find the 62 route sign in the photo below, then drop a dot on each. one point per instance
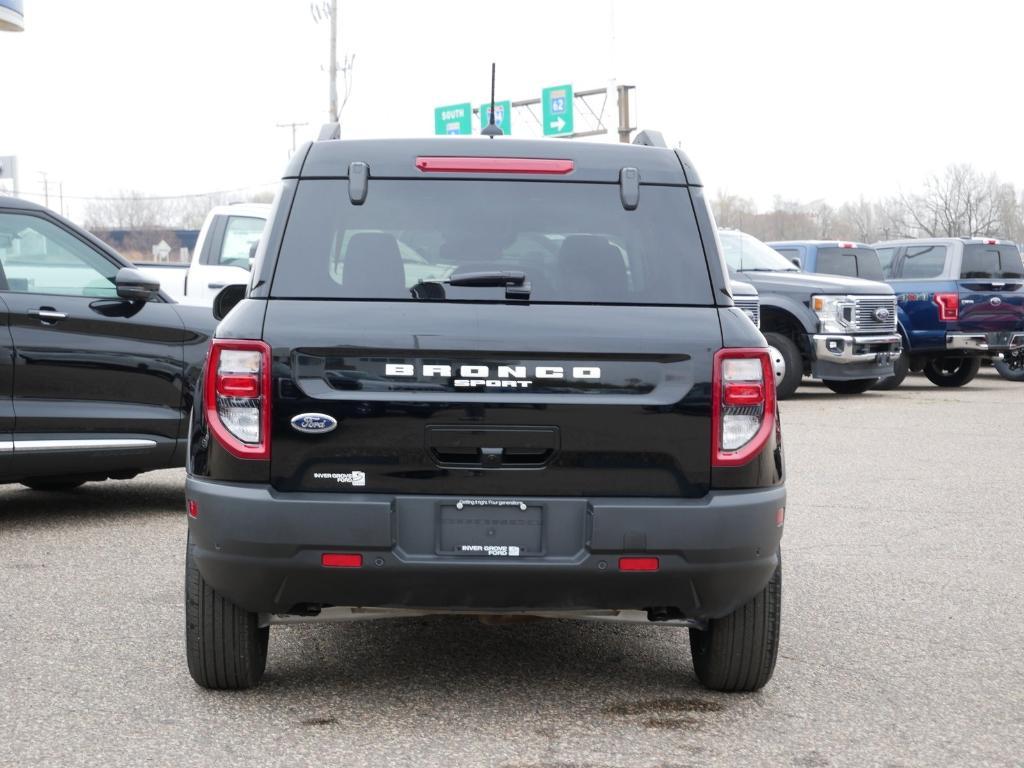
(454, 120)
(556, 107)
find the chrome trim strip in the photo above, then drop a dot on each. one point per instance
(101, 444)
(891, 343)
(6, 446)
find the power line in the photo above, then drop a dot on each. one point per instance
(104, 198)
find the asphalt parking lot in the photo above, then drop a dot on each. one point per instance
(902, 625)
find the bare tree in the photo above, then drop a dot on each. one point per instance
(128, 210)
(961, 202)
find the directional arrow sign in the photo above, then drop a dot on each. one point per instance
(556, 103)
(454, 120)
(502, 115)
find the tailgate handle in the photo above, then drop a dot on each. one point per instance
(491, 448)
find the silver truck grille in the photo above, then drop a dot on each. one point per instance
(874, 313)
(751, 307)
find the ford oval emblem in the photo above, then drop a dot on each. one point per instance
(314, 423)
(995, 301)
(882, 314)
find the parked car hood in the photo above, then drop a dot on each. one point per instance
(813, 283)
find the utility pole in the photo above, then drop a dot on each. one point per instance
(293, 126)
(333, 63)
(625, 129)
(46, 188)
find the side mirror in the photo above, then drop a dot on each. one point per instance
(225, 301)
(796, 260)
(135, 286)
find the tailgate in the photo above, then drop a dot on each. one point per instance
(480, 399)
(991, 288)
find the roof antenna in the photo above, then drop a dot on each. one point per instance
(491, 129)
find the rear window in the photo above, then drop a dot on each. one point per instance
(850, 262)
(991, 261)
(574, 242)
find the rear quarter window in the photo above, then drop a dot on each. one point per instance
(574, 242)
(923, 261)
(850, 262)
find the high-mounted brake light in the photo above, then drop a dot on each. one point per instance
(991, 242)
(236, 397)
(847, 245)
(949, 306)
(530, 165)
(742, 405)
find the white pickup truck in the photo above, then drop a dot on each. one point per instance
(222, 255)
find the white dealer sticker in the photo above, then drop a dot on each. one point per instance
(351, 478)
(492, 550)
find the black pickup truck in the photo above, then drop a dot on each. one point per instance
(487, 376)
(97, 365)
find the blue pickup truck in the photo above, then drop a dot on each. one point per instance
(961, 300)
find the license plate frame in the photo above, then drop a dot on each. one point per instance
(490, 529)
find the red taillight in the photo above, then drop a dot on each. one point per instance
(193, 508)
(638, 563)
(949, 305)
(236, 397)
(742, 405)
(743, 394)
(341, 560)
(539, 165)
(247, 385)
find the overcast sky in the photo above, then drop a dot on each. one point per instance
(805, 100)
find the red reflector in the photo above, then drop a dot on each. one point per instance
(193, 508)
(338, 560)
(238, 385)
(780, 516)
(638, 563)
(949, 305)
(743, 394)
(493, 165)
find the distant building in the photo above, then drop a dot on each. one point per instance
(165, 245)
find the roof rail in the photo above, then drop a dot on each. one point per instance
(329, 131)
(650, 139)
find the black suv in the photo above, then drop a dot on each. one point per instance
(487, 376)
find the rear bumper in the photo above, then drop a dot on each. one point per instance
(854, 357)
(263, 550)
(1000, 341)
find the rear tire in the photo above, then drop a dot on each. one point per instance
(794, 364)
(951, 371)
(737, 652)
(900, 369)
(1011, 368)
(52, 485)
(224, 644)
(850, 386)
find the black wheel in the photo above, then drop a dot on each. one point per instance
(793, 364)
(1011, 367)
(900, 369)
(52, 485)
(951, 371)
(738, 651)
(225, 646)
(851, 386)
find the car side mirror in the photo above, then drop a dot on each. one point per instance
(225, 301)
(796, 260)
(135, 286)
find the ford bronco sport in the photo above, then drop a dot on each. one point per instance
(487, 376)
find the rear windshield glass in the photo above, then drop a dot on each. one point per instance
(989, 261)
(850, 262)
(573, 241)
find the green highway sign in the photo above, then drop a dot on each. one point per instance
(556, 106)
(454, 120)
(502, 116)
